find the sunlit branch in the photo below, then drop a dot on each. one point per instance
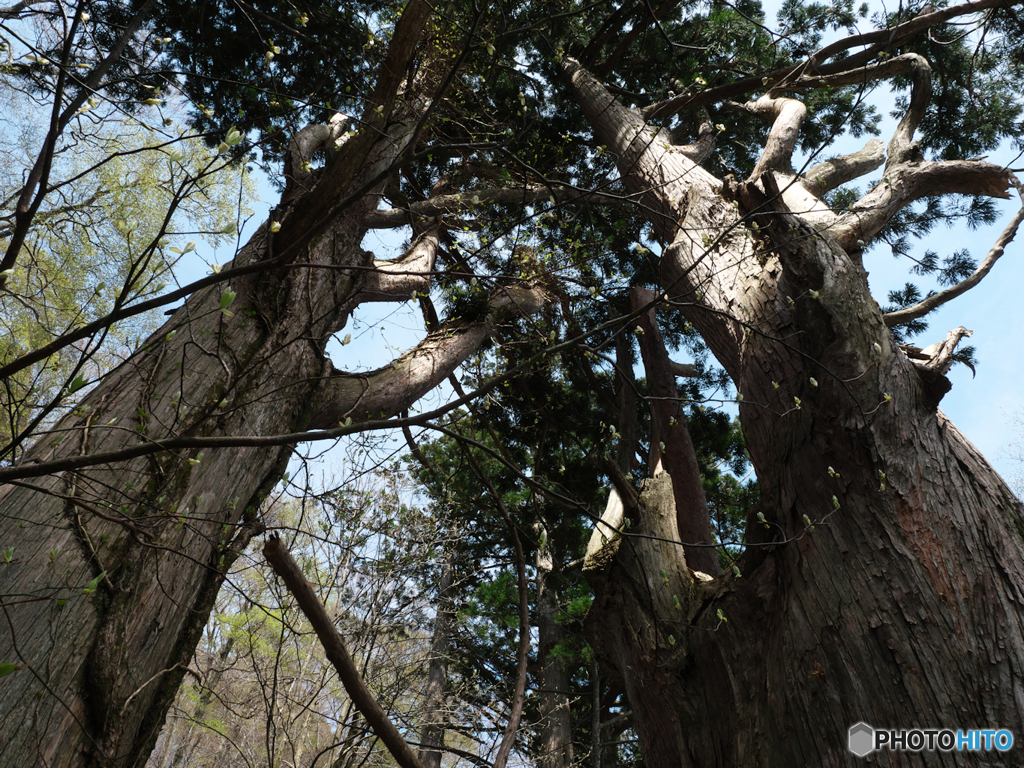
(402, 278)
(787, 116)
(840, 170)
(909, 182)
(922, 308)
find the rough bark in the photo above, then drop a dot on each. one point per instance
(671, 447)
(901, 606)
(165, 528)
(160, 531)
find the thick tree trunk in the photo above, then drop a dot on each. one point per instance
(901, 604)
(103, 669)
(160, 531)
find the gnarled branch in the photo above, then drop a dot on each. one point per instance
(403, 278)
(909, 182)
(388, 390)
(787, 116)
(833, 173)
(922, 308)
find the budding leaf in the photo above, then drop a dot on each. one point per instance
(93, 584)
(6, 668)
(226, 298)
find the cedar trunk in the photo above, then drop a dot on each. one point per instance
(101, 669)
(902, 605)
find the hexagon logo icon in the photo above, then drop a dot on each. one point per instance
(862, 738)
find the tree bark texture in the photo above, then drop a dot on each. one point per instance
(103, 668)
(900, 604)
(160, 531)
(671, 447)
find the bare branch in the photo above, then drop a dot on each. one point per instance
(901, 146)
(522, 651)
(785, 78)
(285, 567)
(922, 308)
(701, 149)
(391, 389)
(13, 11)
(403, 278)
(840, 170)
(909, 182)
(938, 358)
(682, 370)
(305, 143)
(788, 115)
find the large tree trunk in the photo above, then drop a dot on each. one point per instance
(900, 603)
(101, 669)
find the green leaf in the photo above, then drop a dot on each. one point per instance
(6, 668)
(77, 384)
(93, 584)
(226, 298)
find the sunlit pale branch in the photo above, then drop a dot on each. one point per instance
(327, 137)
(403, 278)
(925, 306)
(388, 390)
(840, 170)
(787, 116)
(909, 182)
(939, 357)
(683, 370)
(901, 145)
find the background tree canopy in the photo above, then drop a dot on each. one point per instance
(661, 478)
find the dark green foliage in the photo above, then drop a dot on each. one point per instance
(905, 297)
(322, 56)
